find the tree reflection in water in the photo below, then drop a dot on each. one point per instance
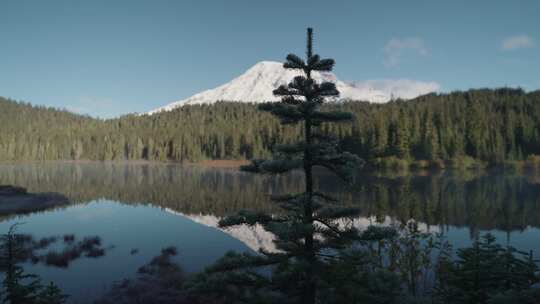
(475, 200)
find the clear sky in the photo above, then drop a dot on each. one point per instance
(106, 58)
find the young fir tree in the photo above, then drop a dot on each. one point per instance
(484, 271)
(310, 230)
(52, 294)
(20, 287)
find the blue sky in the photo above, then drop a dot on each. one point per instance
(107, 58)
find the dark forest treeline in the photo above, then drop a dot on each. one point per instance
(492, 126)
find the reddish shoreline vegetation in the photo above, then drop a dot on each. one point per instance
(223, 163)
(389, 165)
(214, 163)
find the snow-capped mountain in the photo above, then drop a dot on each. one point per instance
(257, 83)
(256, 238)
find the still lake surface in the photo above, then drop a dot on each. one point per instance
(151, 206)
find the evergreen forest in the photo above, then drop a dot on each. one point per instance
(462, 129)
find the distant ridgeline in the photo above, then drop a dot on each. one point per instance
(456, 129)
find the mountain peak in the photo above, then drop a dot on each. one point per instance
(267, 63)
(257, 83)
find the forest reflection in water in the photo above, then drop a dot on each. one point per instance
(143, 208)
(474, 200)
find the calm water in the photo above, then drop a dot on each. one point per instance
(152, 206)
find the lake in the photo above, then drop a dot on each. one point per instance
(137, 209)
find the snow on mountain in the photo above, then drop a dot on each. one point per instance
(257, 83)
(256, 238)
(398, 88)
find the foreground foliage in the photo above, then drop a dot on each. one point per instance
(19, 287)
(390, 265)
(485, 272)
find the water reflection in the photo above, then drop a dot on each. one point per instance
(143, 208)
(481, 201)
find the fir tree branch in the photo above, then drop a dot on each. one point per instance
(248, 218)
(294, 62)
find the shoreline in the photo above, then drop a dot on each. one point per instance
(236, 164)
(219, 163)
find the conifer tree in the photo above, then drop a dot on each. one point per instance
(307, 232)
(52, 294)
(485, 270)
(18, 287)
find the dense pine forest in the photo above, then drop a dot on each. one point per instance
(461, 128)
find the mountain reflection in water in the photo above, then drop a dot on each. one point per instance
(146, 207)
